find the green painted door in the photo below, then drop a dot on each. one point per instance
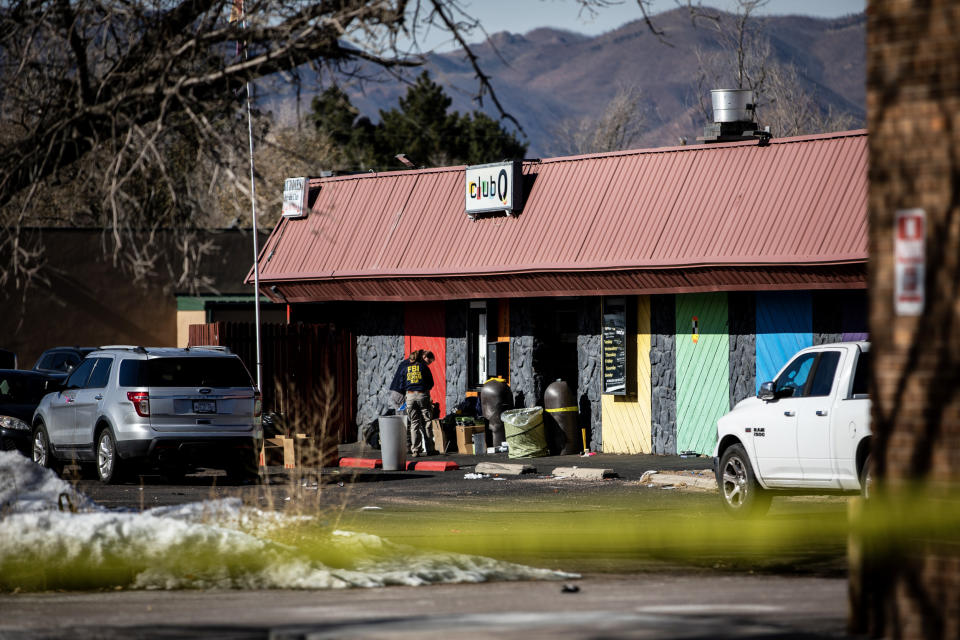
(703, 369)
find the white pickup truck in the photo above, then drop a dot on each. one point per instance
(807, 431)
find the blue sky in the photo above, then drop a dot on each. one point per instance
(521, 16)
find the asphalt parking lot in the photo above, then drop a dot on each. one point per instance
(691, 606)
(620, 594)
(149, 490)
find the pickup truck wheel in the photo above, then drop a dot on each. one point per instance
(866, 480)
(740, 492)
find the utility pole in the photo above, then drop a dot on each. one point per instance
(239, 13)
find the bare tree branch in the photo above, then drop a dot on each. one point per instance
(619, 127)
(484, 80)
(121, 114)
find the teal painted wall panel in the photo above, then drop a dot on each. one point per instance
(703, 369)
(784, 326)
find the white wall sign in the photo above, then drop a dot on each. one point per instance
(909, 259)
(295, 197)
(493, 187)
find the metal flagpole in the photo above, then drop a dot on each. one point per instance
(253, 215)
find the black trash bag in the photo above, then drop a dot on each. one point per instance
(466, 407)
(370, 434)
(272, 425)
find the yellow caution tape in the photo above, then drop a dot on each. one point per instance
(561, 409)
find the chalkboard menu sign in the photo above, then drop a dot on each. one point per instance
(615, 346)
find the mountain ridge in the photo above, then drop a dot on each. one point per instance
(548, 76)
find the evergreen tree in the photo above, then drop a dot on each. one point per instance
(333, 114)
(352, 135)
(422, 127)
(484, 140)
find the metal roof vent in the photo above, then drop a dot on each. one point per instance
(734, 118)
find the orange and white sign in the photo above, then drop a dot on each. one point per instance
(294, 197)
(909, 256)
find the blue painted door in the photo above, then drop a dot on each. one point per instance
(784, 326)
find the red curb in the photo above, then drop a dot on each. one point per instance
(432, 465)
(363, 463)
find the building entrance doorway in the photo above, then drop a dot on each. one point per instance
(555, 355)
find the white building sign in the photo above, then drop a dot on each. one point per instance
(295, 192)
(493, 187)
(909, 262)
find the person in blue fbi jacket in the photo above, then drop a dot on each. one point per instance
(416, 383)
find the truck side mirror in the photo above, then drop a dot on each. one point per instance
(767, 392)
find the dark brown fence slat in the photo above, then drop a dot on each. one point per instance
(297, 361)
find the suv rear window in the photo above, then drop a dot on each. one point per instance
(184, 372)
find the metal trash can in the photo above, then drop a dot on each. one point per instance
(560, 419)
(393, 442)
(495, 398)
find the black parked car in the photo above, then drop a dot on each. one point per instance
(61, 361)
(20, 393)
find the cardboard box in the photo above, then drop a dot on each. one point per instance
(276, 452)
(465, 437)
(441, 441)
(292, 452)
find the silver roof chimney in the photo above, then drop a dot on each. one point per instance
(734, 118)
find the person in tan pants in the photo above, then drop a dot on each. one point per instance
(417, 383)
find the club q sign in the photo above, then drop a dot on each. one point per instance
(493, 187)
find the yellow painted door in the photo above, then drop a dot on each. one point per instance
(626, 419)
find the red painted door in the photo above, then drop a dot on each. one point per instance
(424, 326)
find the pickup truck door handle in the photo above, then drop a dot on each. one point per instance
(789, 414)
(821, 412)
(99, 396)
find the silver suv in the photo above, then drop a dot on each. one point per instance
(168, 408)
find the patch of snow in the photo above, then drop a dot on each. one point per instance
(27, 487)
(230, 513)
(209, 544)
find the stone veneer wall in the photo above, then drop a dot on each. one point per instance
(663, 374)
(379, 331)
(590, 371)
(522, 382)
(456, 312)
(743, 345)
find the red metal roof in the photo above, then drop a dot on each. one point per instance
(734, 216)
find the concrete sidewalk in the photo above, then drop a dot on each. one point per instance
(625, 466)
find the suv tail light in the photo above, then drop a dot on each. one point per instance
(141, 402)
(257, 405)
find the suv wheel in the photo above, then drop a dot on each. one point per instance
(41, 450)
(108, 462)
(740, 492)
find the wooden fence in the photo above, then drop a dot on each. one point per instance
(309, 371)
